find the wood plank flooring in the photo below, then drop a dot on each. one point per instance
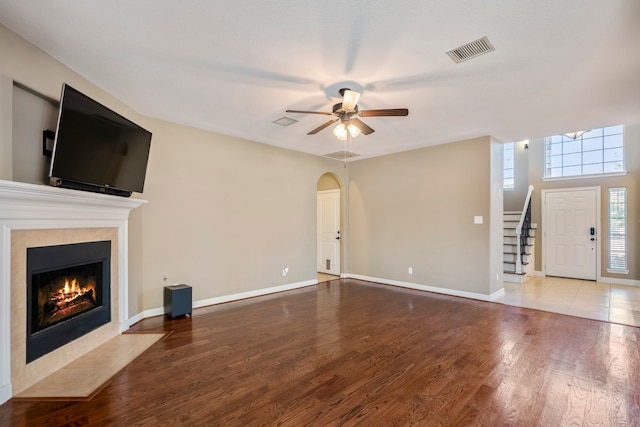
(349, 352)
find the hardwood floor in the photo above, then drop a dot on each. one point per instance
(349, 352)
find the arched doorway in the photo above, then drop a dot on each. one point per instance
(329, 227)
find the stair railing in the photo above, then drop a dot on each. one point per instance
(522, 231)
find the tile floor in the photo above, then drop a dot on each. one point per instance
(326, 277)
(581, 298)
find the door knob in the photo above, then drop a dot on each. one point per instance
(338, 238)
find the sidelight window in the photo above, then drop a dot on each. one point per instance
(618, 230)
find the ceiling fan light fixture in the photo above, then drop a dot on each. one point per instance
(576, 134)
(350, 99)
(340, 132)
(347, 113)
(353, 130)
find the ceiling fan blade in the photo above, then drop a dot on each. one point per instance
(324, 113)
(319, 128)
(385, 112)
(364, 128)
(350, 99)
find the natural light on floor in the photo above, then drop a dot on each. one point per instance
(582, 298)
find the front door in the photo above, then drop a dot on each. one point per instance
(571, 233)
(329, 232)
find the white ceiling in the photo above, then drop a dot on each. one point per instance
(235, 66)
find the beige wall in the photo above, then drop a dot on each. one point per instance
(416, 209)
(224, 215)
(630, 181)
(6, 121)
(495, 220)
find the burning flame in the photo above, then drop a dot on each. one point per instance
(72, 289)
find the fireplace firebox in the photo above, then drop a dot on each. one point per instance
(68, 294)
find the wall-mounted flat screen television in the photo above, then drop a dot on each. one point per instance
(96, 149)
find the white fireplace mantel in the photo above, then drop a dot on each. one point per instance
(32, 207)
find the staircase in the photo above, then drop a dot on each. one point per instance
(517, 243)
(510, 247)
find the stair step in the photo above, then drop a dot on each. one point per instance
(513, 272)
(511, 240)
(513, 263)
(511, 249)
(510, 221)
(511, 231)
(511, 258)
(511, 216)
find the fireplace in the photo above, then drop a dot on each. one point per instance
(68, 294)
(33, 216)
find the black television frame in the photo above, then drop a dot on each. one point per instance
(110, 121)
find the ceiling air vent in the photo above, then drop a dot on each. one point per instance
(342, 155)
(285, 121)
(471, 50)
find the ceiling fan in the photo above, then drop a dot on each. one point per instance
(347, 112)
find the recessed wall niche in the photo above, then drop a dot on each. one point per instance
(32, 113)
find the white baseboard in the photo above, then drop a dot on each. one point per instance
(614, 281)
(135, 319)
(446, 291)
(5, 393)
(152, 312)
(251, 294)
(225, 298)
(497, 295)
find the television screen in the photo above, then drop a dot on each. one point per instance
(97, 149)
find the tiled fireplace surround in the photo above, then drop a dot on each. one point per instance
(39, 215)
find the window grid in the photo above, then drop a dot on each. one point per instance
(618, 228)
(509, 169)
(598, 151)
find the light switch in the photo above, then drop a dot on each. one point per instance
(477, 219)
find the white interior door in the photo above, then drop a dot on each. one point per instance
(329, 232)
(570, 228)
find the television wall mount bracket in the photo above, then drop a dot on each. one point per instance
(47, 149)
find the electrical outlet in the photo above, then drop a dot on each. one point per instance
(285, 271)
(410, 270)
